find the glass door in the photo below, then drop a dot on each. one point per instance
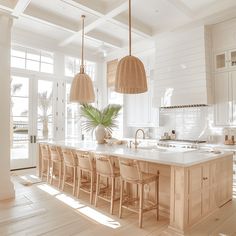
(44, 110)
(31, 118)
(22, 138)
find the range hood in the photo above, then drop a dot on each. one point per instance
(182, 74)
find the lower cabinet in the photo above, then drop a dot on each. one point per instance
(198, 190)
(209, 186)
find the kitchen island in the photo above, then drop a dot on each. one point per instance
(193, 184)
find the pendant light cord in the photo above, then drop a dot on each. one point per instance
(130, 27)
(82, 52)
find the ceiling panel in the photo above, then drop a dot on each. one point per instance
(159, 15)
(8, 3)
(198, 4)
(40, 28)
(116, 31)
(62, 9)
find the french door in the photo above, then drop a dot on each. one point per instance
(31, 118)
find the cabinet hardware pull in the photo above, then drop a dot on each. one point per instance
(205, 178)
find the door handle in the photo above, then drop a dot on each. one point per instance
(35, 138)
(31, 138)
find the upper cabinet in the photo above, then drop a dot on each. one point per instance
(140, 111)
(183, 68)
(225, 98)
(225, 60)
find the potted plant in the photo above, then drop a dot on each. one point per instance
(101, 121)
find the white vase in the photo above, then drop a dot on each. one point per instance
(100, 134)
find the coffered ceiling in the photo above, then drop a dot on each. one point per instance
(106, 20)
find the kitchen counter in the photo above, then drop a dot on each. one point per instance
(172, 156)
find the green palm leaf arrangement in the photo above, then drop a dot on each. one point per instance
(94, 117)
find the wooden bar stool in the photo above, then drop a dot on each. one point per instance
(130, 172)
(70, 162)
(56, 164)
(45, 161)
(105, 167)
(86, 165)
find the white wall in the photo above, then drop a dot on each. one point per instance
(6, 186)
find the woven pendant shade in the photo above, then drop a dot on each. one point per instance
(130, 74)
(82, 90)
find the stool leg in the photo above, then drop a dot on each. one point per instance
(74, 180)
(64, 178)
(157, 196)
(121, 197)
(42, 168)
(79, 182)
(59, 175)
(91, 187)
(48, 170)
(141, 205)
(112, 194)
(97, 189)
(51, 180)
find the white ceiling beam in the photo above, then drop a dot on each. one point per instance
(20, 7)
(114, 12)
(178, 4)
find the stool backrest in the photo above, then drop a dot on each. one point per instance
(44, 151)
(69, 157)
(85, 160)
(130, 169)
(104, 165)
(55, 153)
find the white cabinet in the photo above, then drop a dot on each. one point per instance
(139, 109)
(225, 60)
(225, 98)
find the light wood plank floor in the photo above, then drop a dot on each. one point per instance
(41, 209)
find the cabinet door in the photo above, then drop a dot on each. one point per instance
(205, 189)
(195, 194)
(225, 170)
(232, 59)
(220, 61)
(223, 113)
(233, 97)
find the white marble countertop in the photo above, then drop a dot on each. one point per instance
(167, 157)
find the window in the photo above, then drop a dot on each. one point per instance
(72, 66)
(117, 98)
(72, 121)
(32, 59)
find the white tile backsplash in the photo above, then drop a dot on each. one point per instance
(194, 123)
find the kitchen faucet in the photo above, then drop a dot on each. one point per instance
(135, 138)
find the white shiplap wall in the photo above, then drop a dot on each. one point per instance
(181, 68)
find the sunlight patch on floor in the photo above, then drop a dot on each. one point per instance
(48, 189)
(69, 201)
(84, 210)
(99, 217)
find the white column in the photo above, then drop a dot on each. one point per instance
(6, 186)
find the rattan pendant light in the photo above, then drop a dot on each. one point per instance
(82, 90)
(130, 74)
